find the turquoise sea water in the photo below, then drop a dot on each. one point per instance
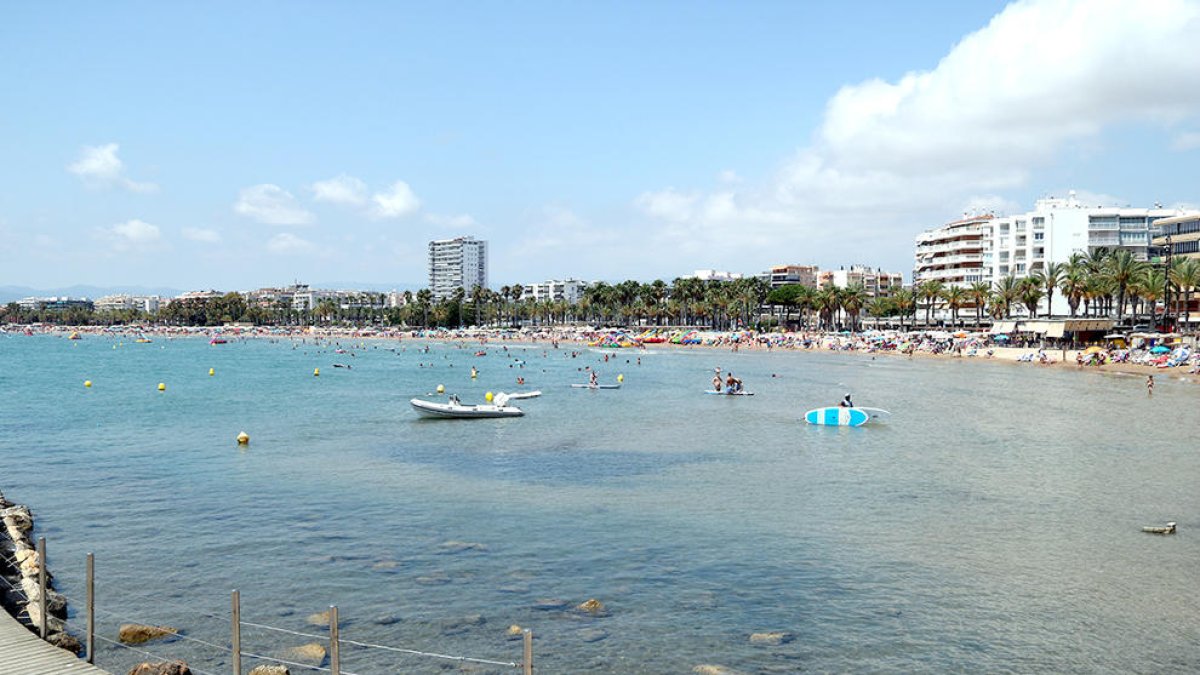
(992, 525)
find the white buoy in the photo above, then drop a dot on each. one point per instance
(243, 438)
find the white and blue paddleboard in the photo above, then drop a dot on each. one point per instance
(837, 417)
(876, 414)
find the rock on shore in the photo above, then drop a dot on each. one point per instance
(136, 633)
(161, 668)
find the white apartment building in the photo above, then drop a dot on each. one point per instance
(958, 253)
(878, 284)
(456, 263)
(715, 275)
(783, 275)
(1057, 228)
(566, 290)
(141, 303)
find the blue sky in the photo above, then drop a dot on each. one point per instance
(235, 145)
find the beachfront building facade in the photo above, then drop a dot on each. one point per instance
(1024, 244)
(121, 302)
(55, 303)
(785, 275)
(569, 291)
(456, 263)
(1178, 237)
(957, 254)
(878, 283)
(715, 275)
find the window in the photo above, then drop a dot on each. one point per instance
(1038, 236)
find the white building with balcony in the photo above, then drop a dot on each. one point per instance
(565, 290)
(958, 253)
(456, 263)
(877, 283)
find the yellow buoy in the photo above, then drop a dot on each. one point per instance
(211, 372)
(87, 383)
(243, 438)
(316, 372)
(488, 397)
(162, 387)
(620, 378)
(441, 389)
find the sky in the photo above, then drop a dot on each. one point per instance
(233, 145)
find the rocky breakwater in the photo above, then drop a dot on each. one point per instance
(20, 588)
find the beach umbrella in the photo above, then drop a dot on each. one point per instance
(1000, 338)
(1160, 350)
(1093, 350)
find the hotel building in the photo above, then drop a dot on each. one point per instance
(878, 284)
(566, 290)
(456, 263)
(1181, 234)
(783, 275)
(956, 254)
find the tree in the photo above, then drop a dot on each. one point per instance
(930, 291)
(1050, 278)
(978, 293)
(1186, 277)
(955, 298)
(1007, 292)
(853, 298)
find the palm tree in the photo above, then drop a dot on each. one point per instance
(853, 299)
(1122, 268)
(424, 302)
(930, 291)
(905, 304)
(1007, 292)
(1186, 278)
(955, 298)
(1073, 285)
(1050, 278)
(978, 293)
(1030, 294)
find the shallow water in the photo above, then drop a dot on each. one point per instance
(992, 525)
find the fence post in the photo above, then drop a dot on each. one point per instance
(237, 632)
(334, 656)
(42, 583)
(528, 657)
(91, 608)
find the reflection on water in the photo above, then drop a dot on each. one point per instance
(993, 524)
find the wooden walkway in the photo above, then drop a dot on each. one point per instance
(22, 653)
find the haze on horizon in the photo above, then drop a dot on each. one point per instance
(233, 146)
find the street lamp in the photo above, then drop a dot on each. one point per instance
(1167, 283)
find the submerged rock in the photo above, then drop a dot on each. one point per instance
(772, 638)
(709, 669)
(593, 634)
(319, 619)
(273, 669)
(461, 546)
(387, 620)
(592, 606)
(162, 668)
(312, 653)
(136, 633)
(548, 604)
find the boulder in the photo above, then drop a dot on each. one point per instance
(270, 670)
(65, 641)
(161, 668)
(592, 606)
(772, 638)
(136, 633)
(312, 653)
(514, 632)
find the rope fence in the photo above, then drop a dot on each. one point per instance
(233, 650)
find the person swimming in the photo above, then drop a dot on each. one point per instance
(846, 402)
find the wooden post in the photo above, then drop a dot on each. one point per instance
(91, 608)
(528, 657)
(334, 657)
(42, 583)
(237, 632)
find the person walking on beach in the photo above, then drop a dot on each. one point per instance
(1149, 385)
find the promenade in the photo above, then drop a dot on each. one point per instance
(22, 653)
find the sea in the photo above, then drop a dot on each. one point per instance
(992, 524)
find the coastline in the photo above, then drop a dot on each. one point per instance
(579, 338)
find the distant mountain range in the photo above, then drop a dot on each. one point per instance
(14, 293)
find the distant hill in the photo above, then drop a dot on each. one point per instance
(12, 293)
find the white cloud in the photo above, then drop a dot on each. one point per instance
(1042, 79)
(98, 166)
(1187, 140)
(342, 189)
(289, 244)
(397, 202)
(272, 205)
(132, 235)
(461, 221)
(201, 235)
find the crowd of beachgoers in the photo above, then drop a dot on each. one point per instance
(1143, 354)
